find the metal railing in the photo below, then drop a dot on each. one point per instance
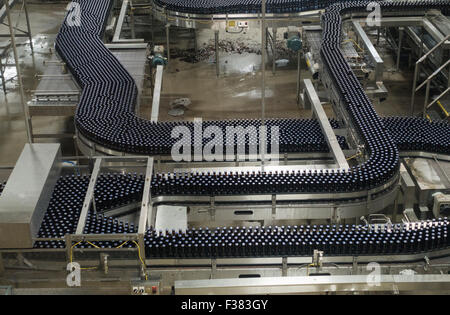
(427, 82)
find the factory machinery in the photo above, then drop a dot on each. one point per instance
(73, 216)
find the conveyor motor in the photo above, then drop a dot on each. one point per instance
(158, 58)
(294, 40)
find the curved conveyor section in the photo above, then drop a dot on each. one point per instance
(105, 115)
(202, 7)
(411, 241)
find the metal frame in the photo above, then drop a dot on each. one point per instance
(315, 284)
(90, 148)
(166, 271)
(373, 54)
(52, 101)
(312, 100)
(272, 40)
(291, 206)
(157, 93)
(4, 13)
(145, 212)
(217, 51)
(119, 25)
(201, 21)
(89, 197)
(12, 35)
(263, 82)
(428, 80)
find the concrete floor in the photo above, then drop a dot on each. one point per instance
(45, 21)
(235, 94)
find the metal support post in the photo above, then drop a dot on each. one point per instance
(284, 269)
(299, 75)
(319, 113)
(267, 43)
(168, 42)
(19, 74)
(141, 244)
(89, 196)
(421, 41)
(400, 42)
(2, 267)
(427, 96)
(415, 79)
(2, 74)
(417, 69)
(133, 32)
(68, 241)
(157, 93)
(378, 36)
(216, 42)
(27, 17)
(372, 52)
(448, 77)
(123, 12)
(146, 205)
(263, 81)
(274, 50)
(153, 24)
(395, 210)
(195, 40)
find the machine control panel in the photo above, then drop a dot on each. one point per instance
(145, 288)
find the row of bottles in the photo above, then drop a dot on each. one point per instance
(105, 115)
(242, 6)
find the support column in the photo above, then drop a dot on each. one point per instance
(312, 98)
(274, 50)
(168, 43)
(448, 77)
(141, 244)
(415, 78)
(378, 36)
(89, 197)
(421, 42)
(195, 41)
(153, 25)
(267, 43)
(400, 42)
(299, 75)
(157, 93)
(2, 74)
(427, 96)
(133, 31)
(146, 213)
(262, 146)
(216, 42)
(19, 74)
(2, 267)
(28, 25)
(395, 209)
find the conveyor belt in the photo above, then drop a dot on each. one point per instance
(106, 116)
(115, 190)
(242, 6)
